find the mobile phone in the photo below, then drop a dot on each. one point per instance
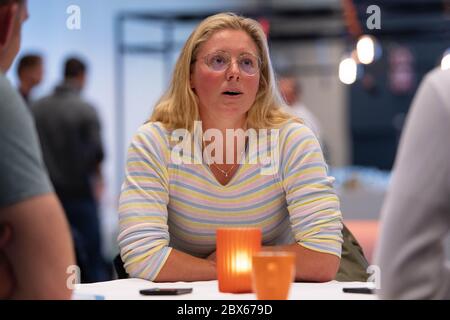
(165, 291)
(358, 290)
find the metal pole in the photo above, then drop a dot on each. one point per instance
(119, 105)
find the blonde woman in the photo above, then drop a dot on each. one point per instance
(170, 209)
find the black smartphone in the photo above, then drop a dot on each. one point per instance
(165, 291)
(358, 290)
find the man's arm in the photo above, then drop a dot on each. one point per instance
(91, 136)
(41, 248)
(6, 274)
(415, 214)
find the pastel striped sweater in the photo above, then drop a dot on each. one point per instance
(165, 205)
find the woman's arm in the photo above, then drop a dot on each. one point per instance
(310, 265)
(144, 235)
(143, 231)
(184, 267)
(313, 206)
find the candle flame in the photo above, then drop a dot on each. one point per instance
(242, 262)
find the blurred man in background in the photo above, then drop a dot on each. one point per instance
(292, 93)
(30, 72)
(35, 243)
(69, 131)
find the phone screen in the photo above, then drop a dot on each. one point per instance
(165, 291)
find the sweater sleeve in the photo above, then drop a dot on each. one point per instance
(313, 206)
(22, 170)
(143, 231)
(416, 213)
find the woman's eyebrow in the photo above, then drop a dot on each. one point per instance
(240, 53)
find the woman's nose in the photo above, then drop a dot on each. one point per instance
(233, 71)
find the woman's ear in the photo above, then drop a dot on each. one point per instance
(7, 18)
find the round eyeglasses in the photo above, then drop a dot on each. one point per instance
(221, 61)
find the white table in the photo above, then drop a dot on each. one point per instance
(128, 289)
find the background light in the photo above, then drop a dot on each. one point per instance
(348, 71)
(365, 49)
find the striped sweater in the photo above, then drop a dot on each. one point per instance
(166, 204)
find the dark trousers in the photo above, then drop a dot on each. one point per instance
(84, 223)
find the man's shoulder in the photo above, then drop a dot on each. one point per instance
(14, 114)
(22, 173)
(438, 75)
(50, 99)
(439, 80)
(64, 103)
(10, 98)
(42, 101)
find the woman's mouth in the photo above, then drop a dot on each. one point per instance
(232, 93)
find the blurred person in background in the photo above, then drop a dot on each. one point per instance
(415, 218)
(291, 91)
(30, 70)
(69, 132)
(35, 244)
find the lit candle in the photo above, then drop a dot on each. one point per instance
(242, 263)
(235, 248)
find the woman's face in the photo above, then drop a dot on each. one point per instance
(226, 75)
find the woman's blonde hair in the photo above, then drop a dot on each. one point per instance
(178, 107)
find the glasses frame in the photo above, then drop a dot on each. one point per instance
(205, 60)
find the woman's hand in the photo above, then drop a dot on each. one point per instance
(212, 257)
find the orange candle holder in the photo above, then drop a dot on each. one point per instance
(273, 274)
(235, 248)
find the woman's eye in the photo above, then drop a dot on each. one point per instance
(218, 60)
(247, 62)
